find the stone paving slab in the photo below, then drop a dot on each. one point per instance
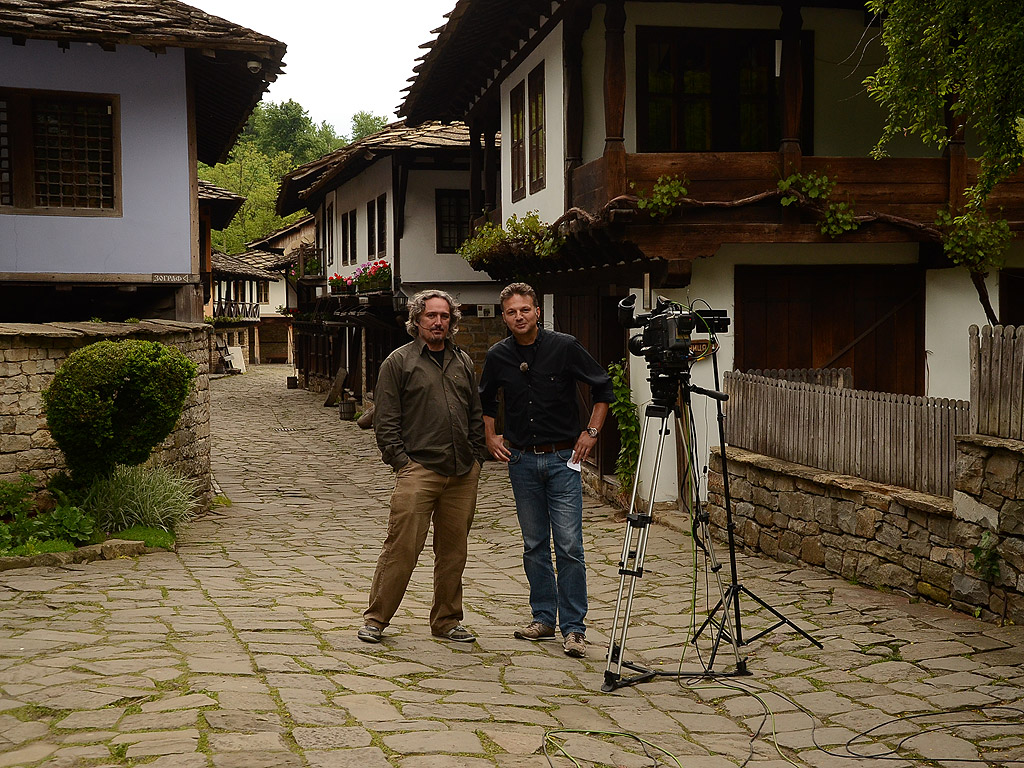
(239, 650)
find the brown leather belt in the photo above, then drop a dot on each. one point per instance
(545, 447)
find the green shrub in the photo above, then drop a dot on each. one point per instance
(141, 495)
(151, 537)
(68, 521)
(17, 498)
(36, 546)
(112, 402)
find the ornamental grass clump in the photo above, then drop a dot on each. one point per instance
(142, 495)
(112, 402)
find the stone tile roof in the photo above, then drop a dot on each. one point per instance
(267, 260)
(151, 23)
(234, 266)
(222, 203)
(229, 65)
(303, 183)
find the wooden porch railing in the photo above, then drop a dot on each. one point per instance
(885, 438)
(914, 188)
(997, 381)
(231, 308)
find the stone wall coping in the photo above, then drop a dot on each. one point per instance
(914, 499)
(88, 329)
(111, 549)
(990, 441)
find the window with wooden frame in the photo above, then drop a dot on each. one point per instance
(451, 218)
(371, 229)
(517, 110)
(263, 291)
(353, 254)
(535, 84)
(714, 90)
(329, 235)
(344, 238)
(382, 225)
(59, 152)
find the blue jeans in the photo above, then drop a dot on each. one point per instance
(549, 504)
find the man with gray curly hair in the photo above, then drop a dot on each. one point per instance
(429, 427)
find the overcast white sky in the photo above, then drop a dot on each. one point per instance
(343, 55)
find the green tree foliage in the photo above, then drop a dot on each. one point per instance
(256, 176)
(364, 124)
(112, 402)
(964, 55)
(276, 139)
(964, 58)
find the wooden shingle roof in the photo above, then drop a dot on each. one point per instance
(229, 65)
(302, 184)
(222, 203)
(235, 266)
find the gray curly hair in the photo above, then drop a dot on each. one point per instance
(418, 305)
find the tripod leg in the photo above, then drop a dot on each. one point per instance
(631, 561)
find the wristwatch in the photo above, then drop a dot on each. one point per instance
(592, 431)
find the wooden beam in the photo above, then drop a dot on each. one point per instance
(615, 96)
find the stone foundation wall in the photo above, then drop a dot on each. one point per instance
(883, 536)
(31, 354)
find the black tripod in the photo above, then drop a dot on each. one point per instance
(729, 605)
(666, 404)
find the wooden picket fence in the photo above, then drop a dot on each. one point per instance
(886, 438)
(997, 381)
(829, 377)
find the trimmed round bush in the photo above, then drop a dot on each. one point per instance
(112, 402)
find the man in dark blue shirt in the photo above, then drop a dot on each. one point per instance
(537, 370)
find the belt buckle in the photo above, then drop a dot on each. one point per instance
(537, 452)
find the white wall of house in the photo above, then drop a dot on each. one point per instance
(354, 194)
(278, 294)
(153, 234)
(422, 266)
(549, 202)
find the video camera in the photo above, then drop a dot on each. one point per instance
(665, 340)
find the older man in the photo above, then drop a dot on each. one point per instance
(429, 428)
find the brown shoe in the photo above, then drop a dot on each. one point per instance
(534, 631)
(575, 645)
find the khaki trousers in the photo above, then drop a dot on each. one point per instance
(422, 496)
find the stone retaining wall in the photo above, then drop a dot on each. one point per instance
(880, 535)
(32, 353)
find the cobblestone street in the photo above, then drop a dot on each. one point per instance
(240, 649)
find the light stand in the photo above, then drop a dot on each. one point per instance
(731, 599)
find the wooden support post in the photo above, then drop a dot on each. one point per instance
(615, 97)
(491, 160)
(956, 153)
(574, 27)
(792, 89)
(476, 162)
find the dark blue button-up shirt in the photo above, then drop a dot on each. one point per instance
(540, 403)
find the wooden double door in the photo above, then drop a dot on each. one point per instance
(870, 318)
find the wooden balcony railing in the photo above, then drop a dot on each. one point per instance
(231, 308)
(912, 188)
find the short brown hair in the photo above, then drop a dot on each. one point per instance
(517, 289)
